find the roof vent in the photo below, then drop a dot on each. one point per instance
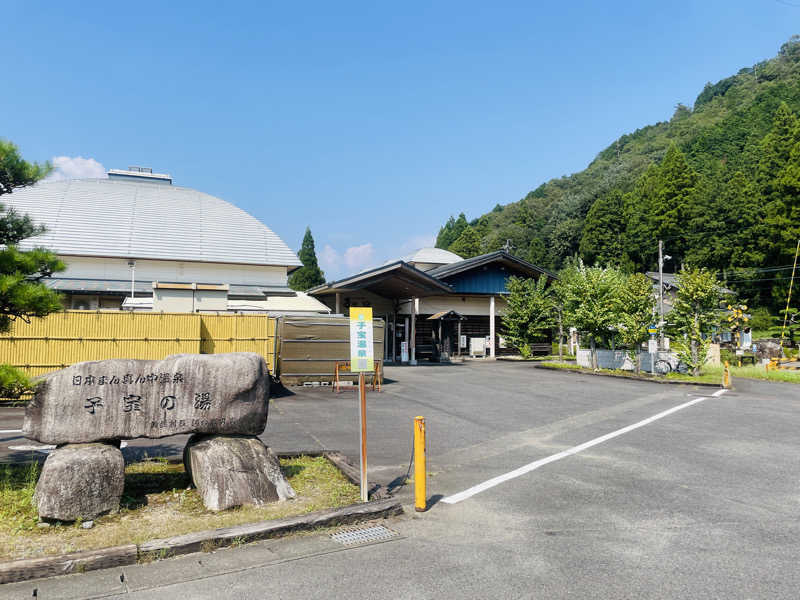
(143, 174)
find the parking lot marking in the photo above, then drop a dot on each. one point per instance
(477, 489)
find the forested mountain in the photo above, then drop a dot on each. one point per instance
(719, 183)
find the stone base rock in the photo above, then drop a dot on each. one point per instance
(80, 481)
(230, 471)
(121, 399)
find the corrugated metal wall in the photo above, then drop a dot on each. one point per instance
(61, 339)
(310, 346)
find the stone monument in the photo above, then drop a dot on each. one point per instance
(87, 408)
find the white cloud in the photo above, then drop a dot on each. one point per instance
(339, 264)
(329, 258)
(359, 257)
(76, 167)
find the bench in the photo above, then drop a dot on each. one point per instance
(545, 347)
(344, 365)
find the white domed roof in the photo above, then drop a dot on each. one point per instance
(435, 256)
(131, 219)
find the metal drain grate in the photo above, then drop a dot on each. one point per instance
(363, 535)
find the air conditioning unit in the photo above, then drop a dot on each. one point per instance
(81, 305)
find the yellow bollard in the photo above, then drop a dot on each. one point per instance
(726, 376)
(420, 495)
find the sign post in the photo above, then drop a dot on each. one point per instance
(361, 361)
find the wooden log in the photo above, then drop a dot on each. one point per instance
(76, 562)
(349, 470)
(217, 538)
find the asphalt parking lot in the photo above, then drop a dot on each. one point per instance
(699, 502)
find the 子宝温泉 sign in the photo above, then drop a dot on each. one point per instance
(361, 349)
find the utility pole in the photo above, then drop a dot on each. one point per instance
(660, 293)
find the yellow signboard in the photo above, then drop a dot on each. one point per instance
(361, 347)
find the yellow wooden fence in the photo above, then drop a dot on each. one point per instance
(61, 339)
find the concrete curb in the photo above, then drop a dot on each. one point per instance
(633, 377)
(380, 506)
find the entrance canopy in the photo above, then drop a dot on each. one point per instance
(395, 281)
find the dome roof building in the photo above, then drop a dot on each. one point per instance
(134, 240)
(426, 259)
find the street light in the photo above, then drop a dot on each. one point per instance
(661, 258)
(132, 265)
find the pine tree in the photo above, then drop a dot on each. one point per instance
(678, 192)
(468, 243)
(602, 240)
(309, 275)
(774, 153)
(729, 232)
(639, 210)
(15, 171)
(22, 293)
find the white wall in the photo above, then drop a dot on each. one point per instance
(173, 271)
(464, 305)
(619, 359)
(172, 300)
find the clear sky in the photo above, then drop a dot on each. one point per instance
(370, 122)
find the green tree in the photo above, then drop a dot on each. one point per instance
(22, 293)
(777, 181)
(530, 312)
(694, 313)
(602, 240)
(591, 301)
(715, 183)
(774, 151)
(451, 230)
(639, 208)
(16, 172)
(636, 302)
(678, 192)
(309, 275)
(468, 244)
(537, 253)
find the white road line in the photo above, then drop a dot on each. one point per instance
(10, 430)
(477, 489)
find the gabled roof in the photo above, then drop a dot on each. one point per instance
(396, 280)
(500, 256)
(136, 219)
(670, 281)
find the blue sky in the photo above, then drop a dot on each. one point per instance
(369, 122)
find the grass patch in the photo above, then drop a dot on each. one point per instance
(707, 375)
(157, 502)
(756, 372)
